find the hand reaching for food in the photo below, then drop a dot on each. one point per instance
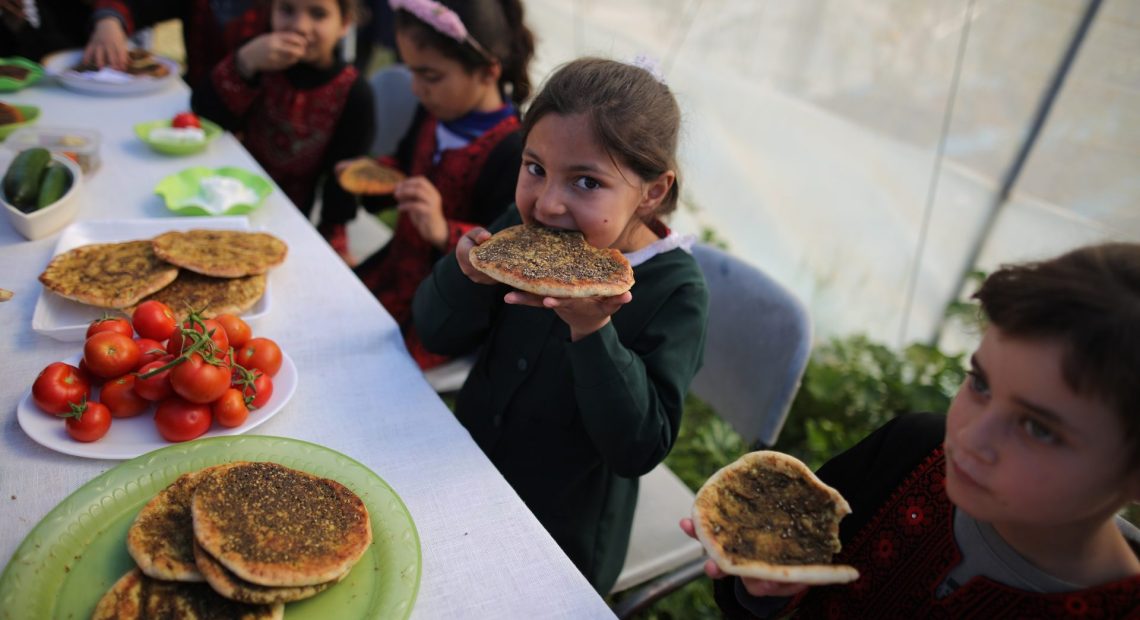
(107, 45)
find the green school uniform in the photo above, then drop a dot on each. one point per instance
(571, 425)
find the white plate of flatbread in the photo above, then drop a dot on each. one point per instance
(67, 320)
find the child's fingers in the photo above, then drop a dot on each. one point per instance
(687, 527)
(520, 298)
(763, 587)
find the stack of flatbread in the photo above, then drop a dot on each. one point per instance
(243, 538)
(211, 271)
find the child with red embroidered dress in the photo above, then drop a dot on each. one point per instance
(462, 154)
(297, 107)
(1007, 506)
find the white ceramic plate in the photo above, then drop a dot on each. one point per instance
(62, 64)
(67, 320)
(130, 437)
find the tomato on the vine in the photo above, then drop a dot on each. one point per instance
(260, 353)
(256, 386)
(117, 325)
(154, 319)
(199, 381)
(229, 409)
(111, 354)
(121, 399)
(217, 333)
(150, 350)
(237, 330)
(180, 420)
(154, 387)
(58, 386)
(88, 421)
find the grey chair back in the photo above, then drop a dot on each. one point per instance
(759, 341)
(394, 105)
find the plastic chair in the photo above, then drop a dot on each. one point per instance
(757, 347)
(395, 106)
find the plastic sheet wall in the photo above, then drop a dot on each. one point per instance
(852, 148)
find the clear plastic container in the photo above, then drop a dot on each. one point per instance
(80, 145)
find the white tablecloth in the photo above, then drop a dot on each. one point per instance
(484, 553)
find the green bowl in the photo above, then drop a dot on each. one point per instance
(30, 112)
(179, 189)
(35, 72)
(142, 130)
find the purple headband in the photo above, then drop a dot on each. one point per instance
(443, 20)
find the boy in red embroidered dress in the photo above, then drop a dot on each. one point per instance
(462, 154)
(1007, 506)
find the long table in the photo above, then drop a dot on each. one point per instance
(359, 393)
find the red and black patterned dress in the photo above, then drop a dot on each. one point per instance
(297, 123)
(476, 184)
(900, 535)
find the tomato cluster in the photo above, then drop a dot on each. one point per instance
(202, 371)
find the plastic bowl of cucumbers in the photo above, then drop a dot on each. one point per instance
(39, 192)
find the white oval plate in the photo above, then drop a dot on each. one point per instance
(61, 65)
(131, 437)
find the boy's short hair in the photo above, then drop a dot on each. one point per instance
(1089, 299)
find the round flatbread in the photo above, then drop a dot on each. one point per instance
(108, 275)
(275, 526)
(367, 176)
(207, 295)
(221, 253)
(232, 587)
(552, 263)
(767, 515)
(161, 538)
(136, 596)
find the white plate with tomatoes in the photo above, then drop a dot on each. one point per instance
(67, 320)
(131, 437)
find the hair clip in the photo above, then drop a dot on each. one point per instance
(650, 65)
(444, 20)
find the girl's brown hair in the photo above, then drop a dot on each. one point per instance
(634, 116)
(497, 25)
(1088, 299)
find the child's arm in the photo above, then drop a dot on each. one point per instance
(115, 20)
(226, 97)
(351, 138)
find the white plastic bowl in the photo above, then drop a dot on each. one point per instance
(43, 222)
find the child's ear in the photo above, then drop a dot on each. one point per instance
(490, 74)
(656, 191)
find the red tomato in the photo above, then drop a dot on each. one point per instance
(111, 354)
(217, 333)
(186, 119)
(237, 330)
(150, 351)
(86, 373)
(230, 410)
(260, 353)
(58, 386)
(154, 319)
(199, 381)
(179, 420)
(88, 422)
(118, 325)
(156, 387)
(257, 391)
(121, 399)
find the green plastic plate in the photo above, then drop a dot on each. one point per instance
(35, 72)
(31, 114)
(142, 130)
(74, 555)
(180, 187)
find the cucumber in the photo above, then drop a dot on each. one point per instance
(56, 181)
(22, 181)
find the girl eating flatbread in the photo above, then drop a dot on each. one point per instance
(574, 398)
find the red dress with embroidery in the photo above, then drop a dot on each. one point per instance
(395, 273)
(909, 548)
